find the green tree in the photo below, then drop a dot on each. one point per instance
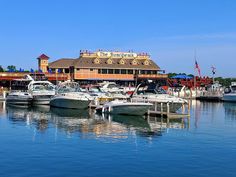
(11, 68)
(1, 69)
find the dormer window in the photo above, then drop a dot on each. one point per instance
(96, 61)
(134, 62)
(122, 62)
(109, 61)
(146, 62)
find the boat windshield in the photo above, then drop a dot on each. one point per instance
(20, 85)
(40, 87)
(66, 89)
(151, 89)
(233, 88)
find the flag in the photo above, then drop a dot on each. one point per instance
(31, 70)
(213, 70)
(59, 70)
(198, 68)
(40, 71)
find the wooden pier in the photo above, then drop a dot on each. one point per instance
(167, 113)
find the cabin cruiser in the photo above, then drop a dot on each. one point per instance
(110, 87)
(42, 92)
(69, 95)
(230, 93)
(124, 108)
(150, 92)
(19, 93)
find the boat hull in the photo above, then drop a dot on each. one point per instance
(137, 109)
(42, 99)
(19, 101)
(130, 110)
(69, 103)
(229, 97)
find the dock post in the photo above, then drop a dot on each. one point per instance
(183, 108)
(4, 94)
(161, 109)
(168, 109)
(188, 107)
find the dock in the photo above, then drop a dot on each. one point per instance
(167, 113)
(160, 109)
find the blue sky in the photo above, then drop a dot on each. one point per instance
(170, 30)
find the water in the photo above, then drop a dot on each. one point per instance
(58, 142)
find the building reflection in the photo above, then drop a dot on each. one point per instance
(90, 125)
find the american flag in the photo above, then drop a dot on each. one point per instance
(213, 70)
(198, 68)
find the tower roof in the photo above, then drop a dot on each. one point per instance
(43, 56)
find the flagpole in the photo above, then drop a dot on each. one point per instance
(194, 70)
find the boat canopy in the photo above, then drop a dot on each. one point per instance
(181, 76)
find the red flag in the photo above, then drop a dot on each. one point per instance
(198, 68)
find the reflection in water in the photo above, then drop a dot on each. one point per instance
(2, 107)
(204, 108)
(90, 125)
(230, 110)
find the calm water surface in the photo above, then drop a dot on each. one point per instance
(57, 142)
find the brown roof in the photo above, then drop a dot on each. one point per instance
(43, 56)
(89, 63)
(62, 63)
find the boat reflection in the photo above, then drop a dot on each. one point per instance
(2, 107)
(89, 125)
(230, 110)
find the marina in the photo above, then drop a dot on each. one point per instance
(51, 137)
(117, 88)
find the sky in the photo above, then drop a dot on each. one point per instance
(169, 30)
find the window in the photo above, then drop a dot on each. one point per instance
(67, 70)
(149, 72)
(77, 69)
(91, 69)
(110, 71)
(117, 71)
(104, 71)
(154, 72)
(130, 71)
(123, 71)
(142, 72)
(99, 71)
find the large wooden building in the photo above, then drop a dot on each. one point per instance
(110, 66)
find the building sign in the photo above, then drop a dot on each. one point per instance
(116, 55)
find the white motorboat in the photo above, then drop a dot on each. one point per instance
(150, 92)
(19, 98)
(110, 87)
(19, 94)
(69, 95)
(124, 108)
(42, 92)
(230, 93)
